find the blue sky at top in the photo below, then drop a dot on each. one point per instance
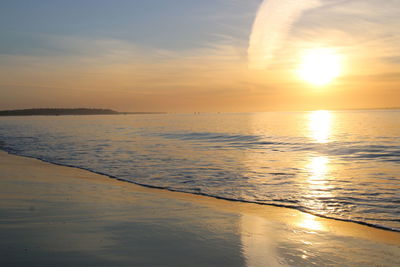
(174, 25)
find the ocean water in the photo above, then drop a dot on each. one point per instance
(337, 164)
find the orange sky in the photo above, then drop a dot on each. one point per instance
(219, 71)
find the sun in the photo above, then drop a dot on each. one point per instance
(320, 66)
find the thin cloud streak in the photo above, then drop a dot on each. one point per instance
(273, 22)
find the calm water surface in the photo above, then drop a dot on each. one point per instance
(343, 164)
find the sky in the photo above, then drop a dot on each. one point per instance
(197, 56)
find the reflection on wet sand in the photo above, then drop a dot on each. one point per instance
(258, 242)
(310, 222)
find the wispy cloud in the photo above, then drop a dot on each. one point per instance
(273, 22)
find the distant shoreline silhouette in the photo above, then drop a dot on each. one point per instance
(66, 111)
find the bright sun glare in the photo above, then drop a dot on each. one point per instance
(320, 66)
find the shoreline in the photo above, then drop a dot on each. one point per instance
(380, 227)
(52, 214)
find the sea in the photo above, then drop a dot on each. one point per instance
(343, 165)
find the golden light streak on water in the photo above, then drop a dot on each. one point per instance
(320, 125)
(318, 168)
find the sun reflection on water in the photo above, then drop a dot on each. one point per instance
(318, 187)
(318, 168)
(320, 125)
(317, 184)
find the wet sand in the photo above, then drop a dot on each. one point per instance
(52, 214)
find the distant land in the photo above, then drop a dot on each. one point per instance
(66, 111)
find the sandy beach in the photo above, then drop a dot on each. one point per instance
(51, 214)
